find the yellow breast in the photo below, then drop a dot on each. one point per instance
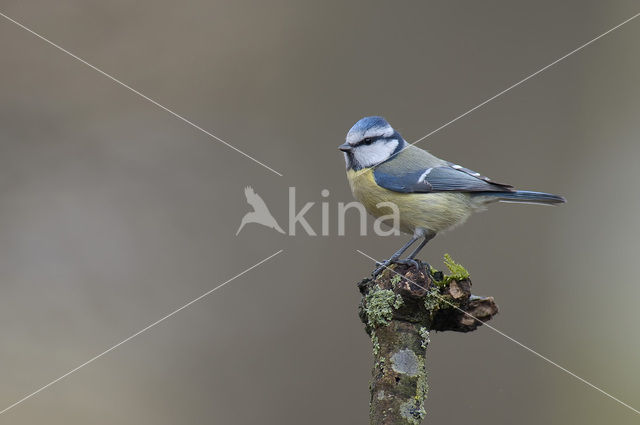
(432, 211)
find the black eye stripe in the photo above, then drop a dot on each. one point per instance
(365, 141)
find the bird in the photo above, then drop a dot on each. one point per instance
(431, 194)
(260, 213)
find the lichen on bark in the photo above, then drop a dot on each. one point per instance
(380, 304)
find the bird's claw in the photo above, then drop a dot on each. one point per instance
(408, 262)
(381, 266)
(404, 261)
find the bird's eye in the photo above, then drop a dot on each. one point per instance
(367, 141)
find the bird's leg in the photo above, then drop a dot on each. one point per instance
(427, 238)
(384, 264)
(410, 260)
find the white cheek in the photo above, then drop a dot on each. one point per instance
(368, 156)
(346, 159)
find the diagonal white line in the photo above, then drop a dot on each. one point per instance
(25, 398)
(498, 331)
(115, 80)
(527, 78)
(519, 82)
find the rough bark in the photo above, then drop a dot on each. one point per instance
(399, 308)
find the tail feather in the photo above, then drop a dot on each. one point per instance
(524, 196)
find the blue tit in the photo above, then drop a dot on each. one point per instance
(431, 194)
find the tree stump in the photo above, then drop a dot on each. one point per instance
(400, 308)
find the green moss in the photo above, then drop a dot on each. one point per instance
(396, 279)
(379, 306)
(456, 272)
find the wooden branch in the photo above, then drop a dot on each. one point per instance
(400, 308)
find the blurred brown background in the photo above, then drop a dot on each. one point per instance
(114, 213)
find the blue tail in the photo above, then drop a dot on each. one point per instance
(524, 196)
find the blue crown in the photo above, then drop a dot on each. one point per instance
(367, 123)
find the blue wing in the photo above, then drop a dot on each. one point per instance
(451, 178)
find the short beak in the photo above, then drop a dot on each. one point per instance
(345, 147)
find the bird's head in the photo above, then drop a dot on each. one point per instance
(370, 142)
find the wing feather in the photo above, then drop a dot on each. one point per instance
(447, 178)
